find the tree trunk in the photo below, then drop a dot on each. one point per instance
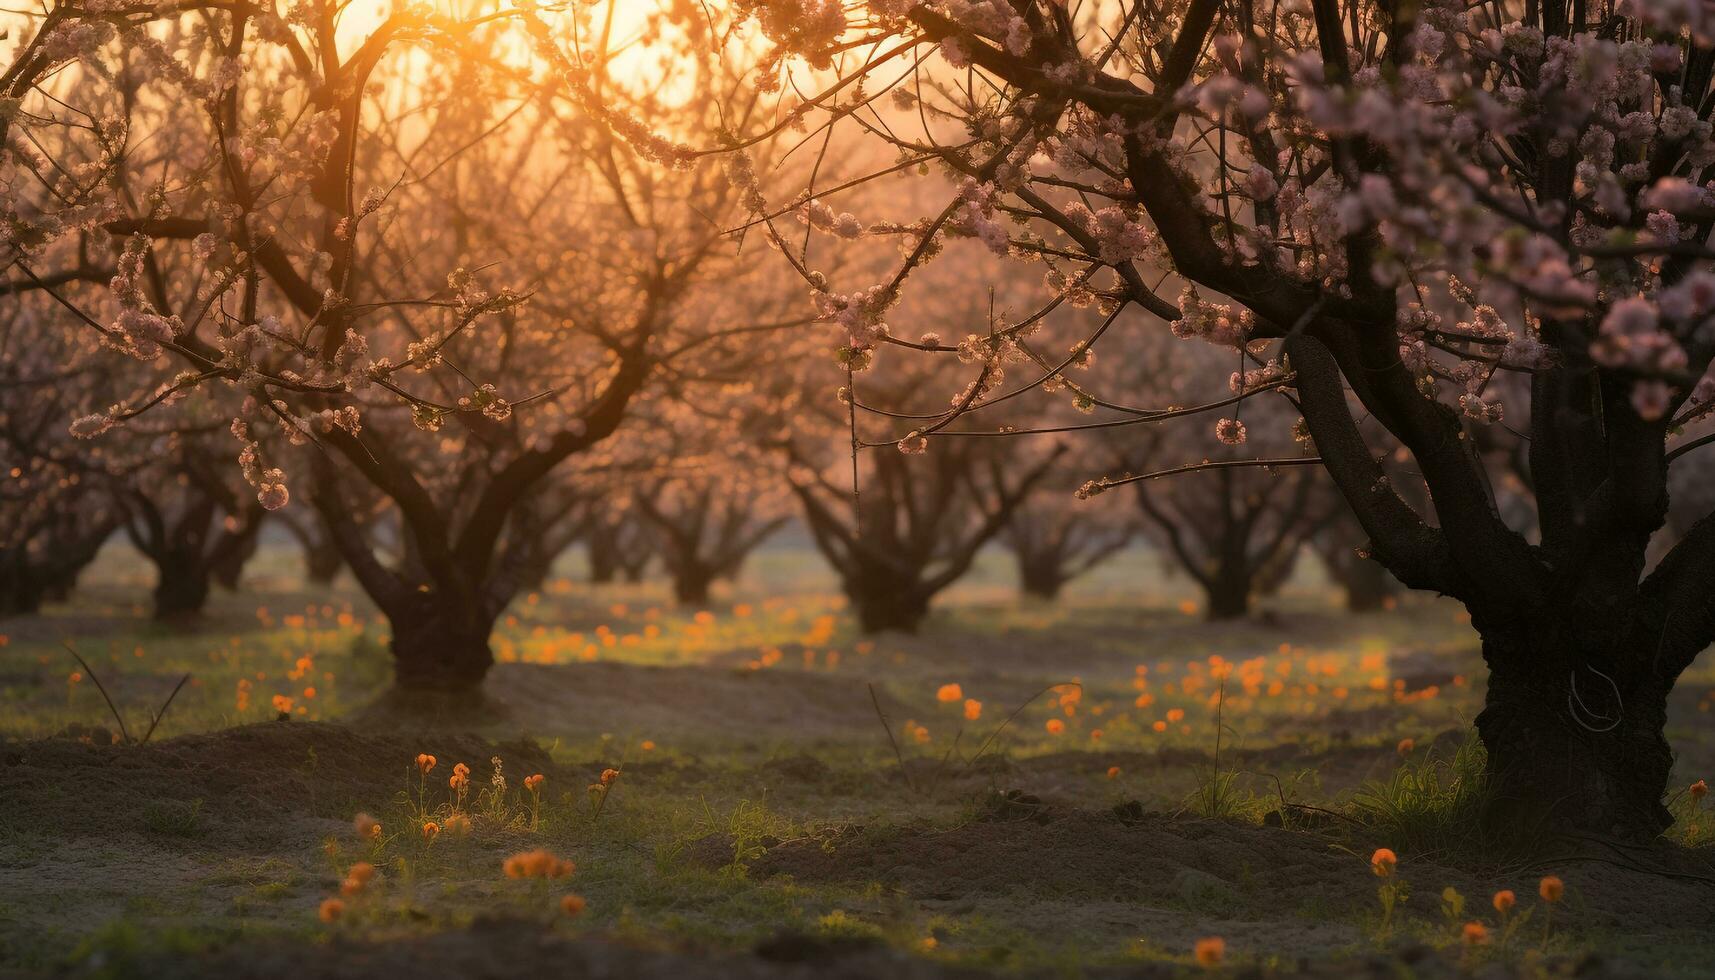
(440, 647)
(229, 566)
(1040, 578)
(604, 564)
(691, 584)
(322, 563)
(181, 586)
(1567, 748)
(886, 602)
(21, 590)
(1369, 587)
(1228, 596)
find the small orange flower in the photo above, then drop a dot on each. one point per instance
(425, 763)
(1113, 772)
(533, 783)
(361, 872)
(647, 746)
(949, 693)
(431, 830)
(1210, 951)
(973, 709)
(608, 776)
(331, 909)
(1551, 889)
(1406, 745)
(1699, 790)
(458, 825)
(1505, 900)
(1383, 861)
(537, 864)
(367, 827)
(1474, 934)
(1055, 726)
(572, 905)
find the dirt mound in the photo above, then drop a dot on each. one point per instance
(508, 948)
(64, 787)
(1078, 854)
(757, 705)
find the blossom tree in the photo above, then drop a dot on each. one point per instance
(290, 281)
(1385, 206)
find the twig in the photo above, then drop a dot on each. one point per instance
(904, 772)
(98, 686)
(164, 706)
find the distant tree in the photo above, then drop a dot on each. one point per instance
(1053, 541)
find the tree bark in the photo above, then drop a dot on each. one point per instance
(21, 590)
(1228, 595)
(884, 601)
(1039, 578)
(440, 646)
(1567, 748)
(691, 583)
(181, 586)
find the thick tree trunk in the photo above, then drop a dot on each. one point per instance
(1040, 578)
(322, 563)
(691, 584)
(1228, 595)
(21, 590)
(1568, 748)
(181, 587)
(229, 566)
(604, 564)
(1368, 586)
(440, 648)
(887, 602)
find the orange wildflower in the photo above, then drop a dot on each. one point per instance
(1551, 889)
(533, 783)
(973, 709)
(572, 905)
(331, 909)
(537, 864)
(1383, 861)
(1406, 745)
(1699, 790)
(1474, 934)
(425, 763)
(647, 746)
(608, 776)
(367, 827)
(1210, 950)
(1055, 726)
(361, 872)
(1505, 900)
(431, 830)
(1113, 772)
(458, 825)
(949, 693)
